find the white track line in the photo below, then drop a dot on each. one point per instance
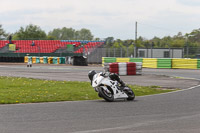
(172, 91)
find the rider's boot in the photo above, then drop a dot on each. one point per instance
(123, 85)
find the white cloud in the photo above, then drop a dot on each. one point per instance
(104, 17)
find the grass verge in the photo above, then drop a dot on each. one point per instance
(27, 90)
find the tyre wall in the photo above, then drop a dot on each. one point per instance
(45, 60)
(124, 68)
(76, 60)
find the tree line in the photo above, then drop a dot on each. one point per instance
(34, 32)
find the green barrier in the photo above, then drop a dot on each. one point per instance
(198, 63)
(37, 60)
(164, 63)
(29, 57)
(45, 59)
(55, 60)
(136, 60)
(108, 59)
(62, 60)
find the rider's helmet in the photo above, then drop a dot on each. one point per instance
(91, 74)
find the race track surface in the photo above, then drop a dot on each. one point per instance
(177, 112)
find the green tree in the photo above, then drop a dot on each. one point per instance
(85, 34)
(63, 34)
(194, 36)
(31, 31)
(109, 41)
(141, 42)
(178, 43)
(2, 33)
(71, 34)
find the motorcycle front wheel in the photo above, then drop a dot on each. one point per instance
(105, 95)
(130, 94)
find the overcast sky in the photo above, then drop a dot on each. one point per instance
(104, 18)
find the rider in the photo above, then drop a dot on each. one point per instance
(113, 76)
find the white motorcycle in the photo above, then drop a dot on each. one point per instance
(110, 90)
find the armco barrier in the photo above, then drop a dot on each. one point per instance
(164, 63)
(108, 60)
(150, 62)
(198, 63)
(122, 59)
(184, 63)
(136, 60)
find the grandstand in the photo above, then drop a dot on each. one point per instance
(50, 46)
(53, 48)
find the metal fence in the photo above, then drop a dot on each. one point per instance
(95, 55)
(191, 52)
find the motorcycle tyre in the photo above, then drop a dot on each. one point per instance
(104, 95)
(131, 96)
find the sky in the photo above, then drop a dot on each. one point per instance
(104, 18)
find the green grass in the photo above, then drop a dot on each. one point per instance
(149, 90)
(27, 90)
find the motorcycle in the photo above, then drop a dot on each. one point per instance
(110, 90)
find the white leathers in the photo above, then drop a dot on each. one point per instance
(109, 86)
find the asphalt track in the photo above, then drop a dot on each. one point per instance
(177, 112)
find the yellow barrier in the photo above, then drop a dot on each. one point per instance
(41, 60)
(150, 62)
(50, 60)
(184, 63)
(33, 59)
(58, 59)
(122, 59)
(26, 59)
(103, 61)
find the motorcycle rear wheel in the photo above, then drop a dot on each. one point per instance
(105, 95)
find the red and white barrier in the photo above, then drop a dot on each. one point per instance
(128, 68)
(122, 68)
(113, 68)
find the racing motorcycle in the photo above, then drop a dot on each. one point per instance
(110, 90)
